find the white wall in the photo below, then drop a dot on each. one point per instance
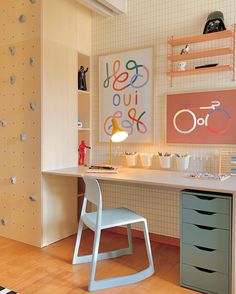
(150, 23)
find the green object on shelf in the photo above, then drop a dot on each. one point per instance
(79, 123)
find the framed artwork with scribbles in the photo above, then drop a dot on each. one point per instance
(126, 93)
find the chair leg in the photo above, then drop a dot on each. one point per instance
(148, 246)
(130, 242)
(94, 259)
(123, 280)
(77, 244)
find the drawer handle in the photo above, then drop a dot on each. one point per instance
(204, 248)
(205, 212)
(205, 197)
(205, 227)
(204, 270)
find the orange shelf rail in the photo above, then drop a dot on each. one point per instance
(201, 54)
(201, 38)
(200, 70)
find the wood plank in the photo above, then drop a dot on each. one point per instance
(32, 270)
(201, 54)
(201, 38)
(84, 129)
(83, 92)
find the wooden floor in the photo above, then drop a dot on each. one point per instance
(31, 270)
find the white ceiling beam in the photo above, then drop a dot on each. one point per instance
(97, 7)
(118, 6)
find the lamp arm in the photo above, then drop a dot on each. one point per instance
(110, 152)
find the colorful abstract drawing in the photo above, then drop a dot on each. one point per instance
(126, 93)
(202, 118)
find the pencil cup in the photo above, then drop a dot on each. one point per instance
(165, 161)
(182, 163)
(146, 159)
(131, 159)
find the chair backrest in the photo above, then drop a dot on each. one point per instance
(92, 190)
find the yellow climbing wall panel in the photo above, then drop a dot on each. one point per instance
(20, 143)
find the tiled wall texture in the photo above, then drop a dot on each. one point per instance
(151, 23)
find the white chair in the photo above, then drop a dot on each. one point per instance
(103, 219)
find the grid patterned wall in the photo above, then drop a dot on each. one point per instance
(20, 171)
(150, 23)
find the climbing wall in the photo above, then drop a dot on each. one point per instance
(20, 171)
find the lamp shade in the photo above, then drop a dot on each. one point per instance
(118, 134)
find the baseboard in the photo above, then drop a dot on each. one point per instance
(153, 237)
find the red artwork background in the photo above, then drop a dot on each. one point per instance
(202, 117)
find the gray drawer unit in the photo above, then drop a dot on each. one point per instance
(206, 203)
(211, 259)
(205, 281)
(206, 218)
(205, 236)
(206, 241)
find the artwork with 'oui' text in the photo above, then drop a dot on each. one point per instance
(126, 93)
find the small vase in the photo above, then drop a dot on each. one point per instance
(182, 163)
(131, 159)
(165, 161)
(146, 159)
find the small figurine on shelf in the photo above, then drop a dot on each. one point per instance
(82, 78)
(82, 152)
(182, 65)
(215, 22)
(79, 123)
(185, 50)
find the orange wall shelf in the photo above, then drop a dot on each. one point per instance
(200, 70)
(229, 50)
(201, 54)
(201, 38)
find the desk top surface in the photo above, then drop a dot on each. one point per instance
(169, 179)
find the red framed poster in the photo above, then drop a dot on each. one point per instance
(202, 117)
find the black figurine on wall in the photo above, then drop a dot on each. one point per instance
(82, 78)
(215, 22)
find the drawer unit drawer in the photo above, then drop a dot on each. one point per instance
(204, 280)
(205, 218)
(205, 236)
(207, 258)
(205, 203)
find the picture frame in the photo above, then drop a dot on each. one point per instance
(126, 93)
(204, 117)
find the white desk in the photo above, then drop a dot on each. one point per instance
(166, 179)
(154, 177)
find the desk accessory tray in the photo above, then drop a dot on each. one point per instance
(208, 176)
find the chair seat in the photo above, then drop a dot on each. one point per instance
(112, 218)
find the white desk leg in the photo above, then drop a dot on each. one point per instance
(233, 243)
